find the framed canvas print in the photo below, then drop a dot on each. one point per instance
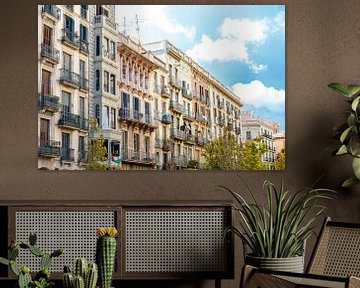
(161, 87)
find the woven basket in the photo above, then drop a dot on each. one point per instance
(291, 264)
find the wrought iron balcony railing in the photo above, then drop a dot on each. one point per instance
(52, 10)
(50, 53)
(176, 106)
(67, 154)
(48, 102)
(72, 120)
(49, 148)
(137, 156)
(177, 134)
(70, 37)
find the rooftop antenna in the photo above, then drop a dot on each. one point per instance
(137, 26)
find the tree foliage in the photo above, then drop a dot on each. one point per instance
(97, 159)
(252, 152)
(225, 153)
(280, 160)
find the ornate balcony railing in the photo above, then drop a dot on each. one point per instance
(180, 160)
(48, 102)
(83, 156)
(175, 106)
(174, 81)
(52, 10)
(166, 146)
(190, 139)
(189, 115)
(186, 93)
(67, 154)
(165, 91)
(72, 120)
(49, 148)
(69, 77)
(50, 53)
(137, 156)
(177, 134)
(69, 37)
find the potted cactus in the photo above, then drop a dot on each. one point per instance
(42, 278)
(106, 254)
(84, 275)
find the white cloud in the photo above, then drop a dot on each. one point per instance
(234, 40)
(154, 22)
(256, 95)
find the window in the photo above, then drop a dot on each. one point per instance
(81, 146)
(106, 47)
(113, 118)
(125, 103)
(82, 107)
(46, 82)
(136, 142)
(147, 146)
(47, 35)
(97, 48)
(66, 101)
(124, 68)
(44, 132)
(124, 143)
(136, 104)
(112, 50)
(82, 69)
(97, 80)
(83, 12)
(69, 29)
(83, 34)
(106, 81)
(67, 62)
(248, 135)
(65, 137)
(101, 10)
(147, 112)
(97, 114)
(106, 117)
(112, 84)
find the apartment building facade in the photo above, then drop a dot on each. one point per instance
(253, 127)
(63, 85)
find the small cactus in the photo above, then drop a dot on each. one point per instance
(106, 254)
(83, 274)
(24, 278)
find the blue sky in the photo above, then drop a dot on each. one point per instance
(241, 45)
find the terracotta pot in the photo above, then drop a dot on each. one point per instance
(291, 264)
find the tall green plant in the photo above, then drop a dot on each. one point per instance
(349, 131)
(279, 229)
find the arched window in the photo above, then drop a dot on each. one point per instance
(97, 114)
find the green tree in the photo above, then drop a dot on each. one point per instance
(280, 160)
(97, 159)
(223, 153)
(252, 152)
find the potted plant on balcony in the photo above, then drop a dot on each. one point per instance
(348, 132)
(275, 233)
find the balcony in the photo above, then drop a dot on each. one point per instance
(70, 39)
(180, 160)
(188, 115)
(201, 140)
(267, 135)
(49, 148)
(50, 53)
(201, 117)
(84, 47)
(137, 157)
(52, 11)
(174, 81)
(166, 118)
(48, 102)
(176, 107)
(73, 121)
(67, 154)
(83, 156)
(177, 134)
(73, 79)
(158, 143)
(186, 93)
(190, 139)
(221, 121)
(134, 117)
(83, 83)
(166, 145)
(196, 95)
(102, 21)
(165, 92)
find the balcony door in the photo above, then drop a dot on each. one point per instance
(67, 64)
(69, 28)
(65, 140)
(44, 131)
(147, 112)
(82, 107)
(66, 101)
(47, 35)
(46, 82)
(136, 107)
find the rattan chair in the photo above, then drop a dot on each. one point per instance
(335, 262)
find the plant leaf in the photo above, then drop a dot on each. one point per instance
(355, 103)
(356, 167)
(342, 150)
(349, 182)
(345, 134)
(353, 89)
(340, 88)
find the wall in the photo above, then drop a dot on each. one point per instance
(322, 40)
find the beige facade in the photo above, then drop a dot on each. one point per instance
(63, 86)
